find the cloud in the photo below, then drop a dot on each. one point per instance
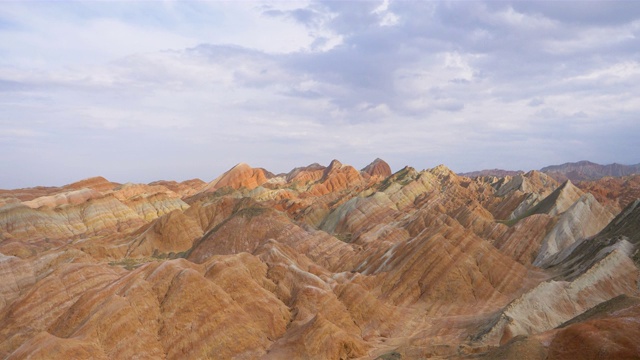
(536, 102)
(480, 84)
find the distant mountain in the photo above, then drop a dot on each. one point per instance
(586, 170)
(492, 172)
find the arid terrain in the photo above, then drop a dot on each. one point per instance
(325, 262)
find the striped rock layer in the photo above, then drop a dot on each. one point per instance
(323, 262)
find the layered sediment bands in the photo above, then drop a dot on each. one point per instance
(240, 176)
(240, 273)
(305, 175)
(171, 233)
(336, 177)
(323, 262)
(559, 200)
(16, 275)
(46, 346)
(73, 197)
(607, 331)
(35, 310)
(613, 193)
(259, 224)
(610, 333)
(86, 212)
(318, 338)
(153, 206)
(94, 217)
(149, 201)
(626, 224)
(167, 309)
(553, 302)
(97, 183)
(249, 228)
(211, 211)
(585, 218)
(523, 240)
(447, 264)
(201, 320)
(184, 189)
(516, 195)
(378, 168)
(10, 196)
(357, 214)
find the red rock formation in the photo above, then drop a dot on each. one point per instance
(184, 189)
(239, 176)
(610, 332)
(336, 177)
(97, 183)
(378, 168)
(172, 233)
(73, 197)
(305, 175)
(614, 193)
(320, 263)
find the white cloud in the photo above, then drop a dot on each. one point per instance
(387, 18)
(524, 21)
(626, 71)
(283, 84)
(592, 39)
(459, 65)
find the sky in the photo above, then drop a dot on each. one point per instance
(138, 91)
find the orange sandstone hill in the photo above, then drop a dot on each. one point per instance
(323, 262)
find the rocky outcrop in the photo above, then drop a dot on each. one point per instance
(305, 175)
(534, 229)
(605, 331)
(336, 177)
(377, 168)
(553, 302)
(239, 176)
(184, 189)
(94, 217)
(174, 232)
(518, 194)
(559, 200)
(87, 212)
(614, 193)
(73, 197)
(585, 218)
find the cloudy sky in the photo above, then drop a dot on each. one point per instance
(147, 90)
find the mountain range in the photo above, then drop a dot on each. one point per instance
(586, 170)
(325, 262)
(576, 171)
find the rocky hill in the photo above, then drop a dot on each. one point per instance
(323, 262)
(586, 170)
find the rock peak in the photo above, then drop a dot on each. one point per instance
(335, 164)
(378, 167)
(97, 183)
(241, 165)
(442, 170)
(241, 175)
(559, 200)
